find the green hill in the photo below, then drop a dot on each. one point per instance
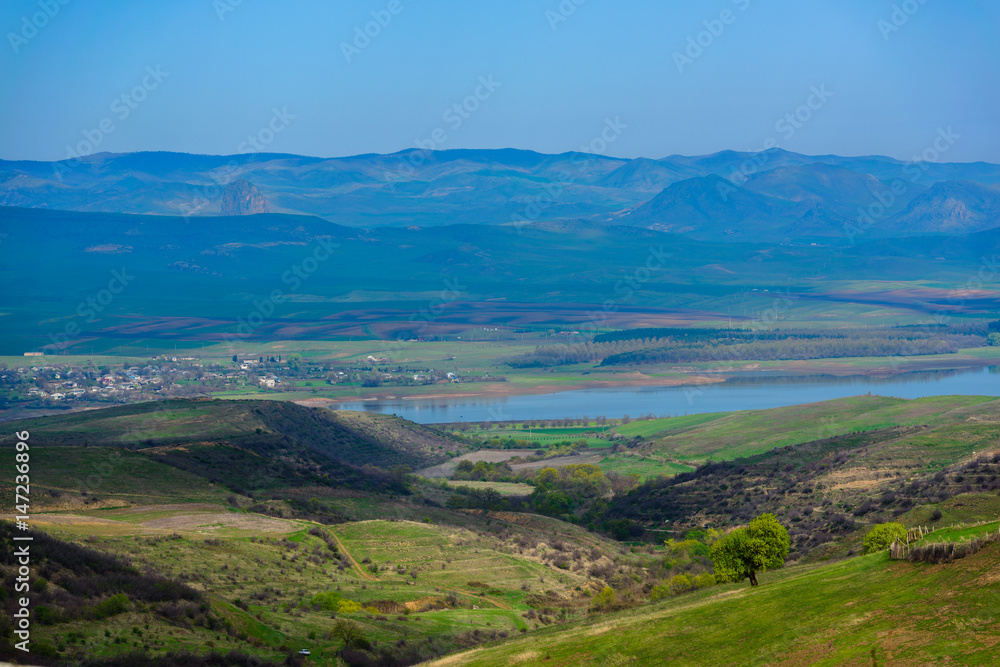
(825, 469)
(862, 611)
(198, 450)
(729, 435)
(353, 438)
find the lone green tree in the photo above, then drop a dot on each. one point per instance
(882, 535)
(761, 546)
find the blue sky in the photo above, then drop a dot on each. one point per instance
(850, 77)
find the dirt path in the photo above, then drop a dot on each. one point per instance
(340, 545)
(498, 603)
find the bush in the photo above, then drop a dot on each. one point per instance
(116, 604)
(327, 601)
(352, 635)
(658, 593)
(603, 600)
(348, 607)
(946, 552)
(679, 583)
(882, 535)
(704, 580)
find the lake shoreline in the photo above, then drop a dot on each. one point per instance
(691, 377)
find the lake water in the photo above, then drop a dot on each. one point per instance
(747, 392)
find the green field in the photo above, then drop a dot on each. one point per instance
(645, 466)
(425, 571)
(722, 436)
(961, 532)
(441, 581)
(449, 560)
(863, 610)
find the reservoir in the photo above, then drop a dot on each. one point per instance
(749, 391)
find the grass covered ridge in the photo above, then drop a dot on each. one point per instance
(907, 613)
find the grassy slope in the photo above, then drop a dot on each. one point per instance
(285, 566)
(731, 435)
(448, 559)
(831, 615)
(352, 438)
(820, 488)
(114, 476)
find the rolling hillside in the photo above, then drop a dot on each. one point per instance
(861, 611)
(824, 469)
(349, 437)
(199, 450)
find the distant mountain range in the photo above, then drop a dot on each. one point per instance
(771, 196)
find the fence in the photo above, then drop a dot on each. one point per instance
(938, 552)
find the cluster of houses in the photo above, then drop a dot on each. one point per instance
(62, 383)
(164, 376)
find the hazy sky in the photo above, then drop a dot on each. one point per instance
(653, 77)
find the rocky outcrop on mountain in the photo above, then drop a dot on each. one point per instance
(241, 197)
(950, 207)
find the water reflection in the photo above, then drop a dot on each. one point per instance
(764, 377)
(748, 391)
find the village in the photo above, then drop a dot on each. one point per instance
(46, 383)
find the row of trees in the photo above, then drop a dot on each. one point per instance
(794, 348)
(643, 346)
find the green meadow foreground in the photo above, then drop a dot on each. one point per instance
(260, 528)
(862, 611)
